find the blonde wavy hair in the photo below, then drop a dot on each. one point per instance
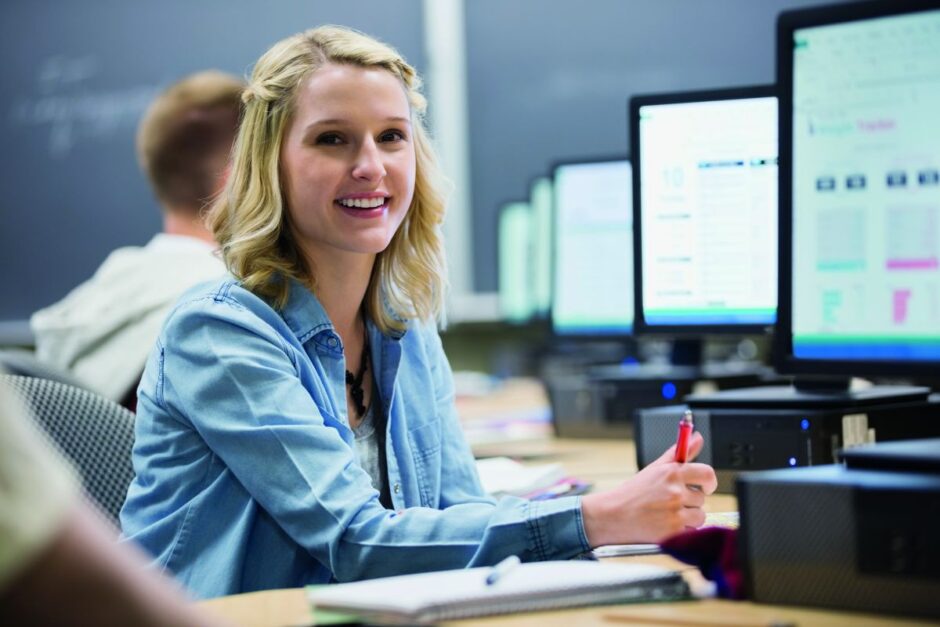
(250, 220)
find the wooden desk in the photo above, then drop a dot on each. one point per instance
(283, 608)
(605, 463)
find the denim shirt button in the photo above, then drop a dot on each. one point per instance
(331, 342)
(396, 488)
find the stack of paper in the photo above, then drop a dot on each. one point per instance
(501, 476)
(729, 520)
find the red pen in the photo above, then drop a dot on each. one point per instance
(685, 432)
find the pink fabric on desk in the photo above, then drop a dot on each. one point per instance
(715, 551)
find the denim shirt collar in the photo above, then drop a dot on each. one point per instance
(303, 313)
(306, 317)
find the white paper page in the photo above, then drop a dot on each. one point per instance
(502, 475)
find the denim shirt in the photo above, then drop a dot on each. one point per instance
(246, 474)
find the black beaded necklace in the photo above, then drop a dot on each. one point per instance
(355, 381)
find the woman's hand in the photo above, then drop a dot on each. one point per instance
(661, 500)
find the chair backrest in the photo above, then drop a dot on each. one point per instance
(24, 362)
(93, 432)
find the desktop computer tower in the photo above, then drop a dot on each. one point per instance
(744, 438)
(843, 537)
(598, 406)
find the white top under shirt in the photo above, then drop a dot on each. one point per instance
(367, 447)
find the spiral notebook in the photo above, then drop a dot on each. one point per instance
(452, 594)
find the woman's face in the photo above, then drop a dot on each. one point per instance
(348, 162)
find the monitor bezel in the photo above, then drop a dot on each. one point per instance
(589, 336)
(500, 209)
(544, 315)
(787, 22)
(640, 325)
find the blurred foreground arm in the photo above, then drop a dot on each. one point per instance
(83, 577)
(60, 563)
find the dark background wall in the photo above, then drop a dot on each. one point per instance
(547, 80)
(550, 79)
(76, 78)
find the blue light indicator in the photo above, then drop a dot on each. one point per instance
(669, 390)
(804, 424)
(792, 461)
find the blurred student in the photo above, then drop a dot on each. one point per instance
(102, 331)
(60, 563)
(297, 422)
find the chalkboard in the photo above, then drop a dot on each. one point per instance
(75, 79)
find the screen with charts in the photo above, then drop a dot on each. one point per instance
(866, 189)
(707, 208)
(593, 261)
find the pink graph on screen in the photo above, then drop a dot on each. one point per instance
(927, 263)
(911, 238)
(900, 299)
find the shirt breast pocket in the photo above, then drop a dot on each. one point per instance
(426, 449)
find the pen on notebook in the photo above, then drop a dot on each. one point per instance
(500, 570)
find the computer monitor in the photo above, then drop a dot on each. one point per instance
(705, 210)
(516, 293)
(592, 264)
(859, 189)
(540, 203)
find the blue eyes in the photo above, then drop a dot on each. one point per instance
(390, 136)
(335, 139)
(329, 139)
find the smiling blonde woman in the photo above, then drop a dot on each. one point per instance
(296, 423)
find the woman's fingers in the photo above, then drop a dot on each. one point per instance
(695, 445)
(692, 517)
(693, 498)
(701, 475)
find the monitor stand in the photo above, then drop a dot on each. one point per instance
(810, 392)
(687, 353)
(602, 401)
(686, 362)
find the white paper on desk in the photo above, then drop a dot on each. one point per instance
(729, 520)
(502, 475)
(618, 550)
(712, 519)
(429, 597)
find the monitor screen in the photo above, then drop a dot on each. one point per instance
(860, 183)
(705, 210)
(592, 267)
(540, 202)
(516, 295)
